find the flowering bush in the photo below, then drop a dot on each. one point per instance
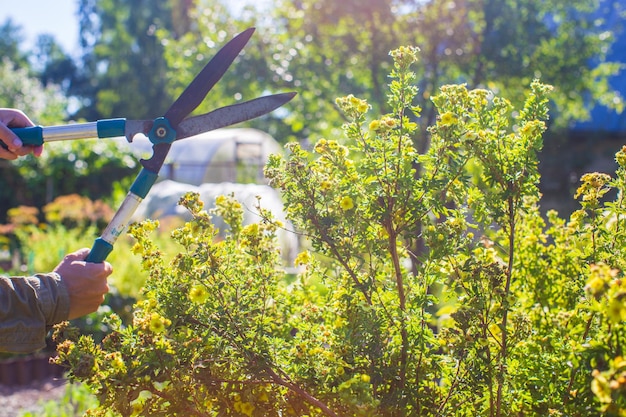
(431, 284)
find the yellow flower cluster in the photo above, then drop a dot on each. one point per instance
(404, 56)
(593, 187)
(158, 324)
(383, 125)
(605, 384)
(599, 278)
(605, 282)
(352, 105)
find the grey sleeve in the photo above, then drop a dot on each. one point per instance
(28, 307)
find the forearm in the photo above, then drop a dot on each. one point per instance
(28, 307)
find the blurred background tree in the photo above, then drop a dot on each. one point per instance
(122, 63)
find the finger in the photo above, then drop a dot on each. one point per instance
(9, 138)
(15, 118)
(6, 154)
(37, 150)
(25, 150)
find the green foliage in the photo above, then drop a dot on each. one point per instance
(90, 168)
(501, 312)
(43, 104)
(76, 400)
(250, 75)
(44, 246)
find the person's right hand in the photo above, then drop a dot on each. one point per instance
(13, 145)
(86, 282)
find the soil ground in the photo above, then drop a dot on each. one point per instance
(18, 399)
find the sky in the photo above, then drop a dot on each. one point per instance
(54, 17)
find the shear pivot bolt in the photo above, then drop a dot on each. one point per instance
(161, 132)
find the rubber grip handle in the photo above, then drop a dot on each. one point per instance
(32, 136)
(99, 252)
(111, 128)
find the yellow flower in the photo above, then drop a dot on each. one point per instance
(346, 203)
(600, 387)
(321, 146)
(617, 310)
(362, 107)
(303, 258)
(137, 408)
(198, 294)
(595, 285)
(158, 324)
(352, 105)
(620, 156)
(389, 122)
(383, 125)
(263, 397)
(365, 378)
(116, 361)
(247, 408)
(137, 249)
(326, 185)
(251, 229)
(448, 119)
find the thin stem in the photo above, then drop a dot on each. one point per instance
(504, 340)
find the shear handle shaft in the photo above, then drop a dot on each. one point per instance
(138, 191)
(37, 135)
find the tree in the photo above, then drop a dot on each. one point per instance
(325, 49)
(251, 75)
(11, 39)
(19, 89)
(52, 64)
(123, 66)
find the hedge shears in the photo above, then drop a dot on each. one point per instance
(162, 132)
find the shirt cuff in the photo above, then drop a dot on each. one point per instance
(53, 297)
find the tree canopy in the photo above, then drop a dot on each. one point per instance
(137, 56)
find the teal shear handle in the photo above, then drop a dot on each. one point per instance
(138, 191)
(37, 135)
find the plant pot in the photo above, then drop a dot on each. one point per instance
(28, 369)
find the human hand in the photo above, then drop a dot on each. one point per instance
(86, 282)
(14, 146)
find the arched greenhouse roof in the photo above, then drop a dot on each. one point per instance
(224, 155)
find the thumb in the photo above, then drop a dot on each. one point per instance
(79, 255)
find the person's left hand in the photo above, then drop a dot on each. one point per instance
(13, 145)
(86, 282)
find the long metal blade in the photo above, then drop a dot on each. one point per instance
(230, 115)
(197, 90)
(222, 117)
